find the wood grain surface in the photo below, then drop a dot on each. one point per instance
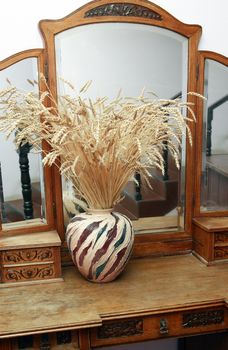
(149, 286)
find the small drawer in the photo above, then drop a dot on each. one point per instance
(221, 237)
(25, 273)
(23, 256)
(221, 252)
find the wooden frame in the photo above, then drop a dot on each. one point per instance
(202, 56)
(39, 54)
(145, 12)
(155, 298)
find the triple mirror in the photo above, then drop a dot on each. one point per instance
(130, 47)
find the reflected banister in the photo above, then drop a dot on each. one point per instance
(23, 152)
(3, 211)
(210, 114)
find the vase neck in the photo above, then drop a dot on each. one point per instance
(99, 211)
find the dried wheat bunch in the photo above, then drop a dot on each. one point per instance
(102, 143)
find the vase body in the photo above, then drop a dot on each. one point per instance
(100, 243)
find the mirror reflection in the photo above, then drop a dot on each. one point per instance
(130, 57)
(21, 176)
(214, 184)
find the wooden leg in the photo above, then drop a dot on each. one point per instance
(84, 342)
(6, 344)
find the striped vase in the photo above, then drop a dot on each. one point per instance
(100, 243)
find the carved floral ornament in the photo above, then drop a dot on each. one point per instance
(28, 273)
(19, 256)
(123, 9)
(221, 237)
(203, 318)
(124, 328)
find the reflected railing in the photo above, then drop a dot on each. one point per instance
(21, 208)
(210, 115)
(215, 174)
(26, 188)
(3, 211)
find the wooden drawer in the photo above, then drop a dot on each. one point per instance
(30, 272)
(159, 326)
(221, 253)
(21, 256)
(30, 264)
(221, 245)
(221, 237)
(211, 247)
(24, 273)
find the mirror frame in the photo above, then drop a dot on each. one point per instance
(202, 56)
(144, 12)
(6, 63)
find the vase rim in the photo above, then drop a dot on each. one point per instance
(99, 211)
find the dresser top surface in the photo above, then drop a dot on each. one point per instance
(148, 286)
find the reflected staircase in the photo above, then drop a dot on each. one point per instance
(158, 200)
(13, 210)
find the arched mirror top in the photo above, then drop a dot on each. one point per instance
(119, 11)
(212, 176)
(135, 11)
(215, 56)
(23, 55)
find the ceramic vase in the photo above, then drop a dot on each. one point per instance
(100, 243)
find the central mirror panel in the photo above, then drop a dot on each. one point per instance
(130, 57)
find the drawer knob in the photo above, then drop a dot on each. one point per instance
(164, 329)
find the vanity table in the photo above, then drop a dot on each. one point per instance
(175, 285)
(155, 298)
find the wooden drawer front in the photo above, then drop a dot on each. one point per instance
(12, 257)
(25, 273)
(118, 332)
(159, 326)
(203, 243)
(221, 253)
(221, 237)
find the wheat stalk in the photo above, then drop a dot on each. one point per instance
(101, 143)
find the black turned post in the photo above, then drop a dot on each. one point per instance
(165, 162)
(138, 195)
(209, 131)
(23, 151)
(2, 197)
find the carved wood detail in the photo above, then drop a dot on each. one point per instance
(63, 337)
(120, 329)
(123, 9)
(25, 342)
(27, 255)
(45, 342)
(15, 274)
(221, 237)
(203, 318)
(221, 252)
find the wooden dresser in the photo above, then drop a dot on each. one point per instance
(155, 298)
